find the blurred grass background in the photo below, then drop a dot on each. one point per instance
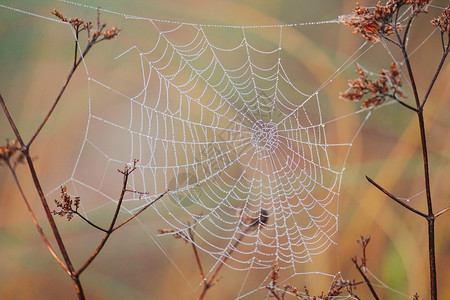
(35, 56)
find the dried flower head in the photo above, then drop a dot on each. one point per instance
(443, 22)
(379, 22)
(388, 85)
(111, 33)
(75, 22)
(67, 206)
(274, 276)
(7, 151)
(59, 15)
(293, 290)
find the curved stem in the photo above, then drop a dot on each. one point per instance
(35, 221)
(88, 221)
(402, 203)
(38, 187)
(210, 282)
(110, 229)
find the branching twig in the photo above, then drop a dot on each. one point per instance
(250, 223)
(97, 36)
(35, 221)
(379, 24)
(363, 266)
(402, 203)
(140, 211)
(126, 173)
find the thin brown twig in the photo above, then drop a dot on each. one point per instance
(363, 242)
(35, 221)
(228, 254)
(404, 104)
(24, 148)
(197, 257)
(273, 292)
(61, 91)
(126, 172)
(408, 26)
(88, 221)
(402, 203)
(441, 212)
(366, 279)
(38, 187)
(140, 211)
(11, 121)
(436, 74)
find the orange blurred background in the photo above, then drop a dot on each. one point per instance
(35, 56)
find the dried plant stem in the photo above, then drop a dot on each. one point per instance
(442, 211)
(67, 265)
(125, 173)
(89, 222)
(430, 216)
(197, 257)
(209, 283)
(25, 150)
(44, 203)
(61, 91)
(140, 211)
(366, 280)
(35, 221)
(274, 294)
(402, 203)
(446, 50)
(378, 24)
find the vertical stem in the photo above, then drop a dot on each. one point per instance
(78, 288)
(425, 162)
(430, 217)
(411, 75)
(432, 259)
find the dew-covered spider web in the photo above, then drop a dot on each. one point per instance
(252, 172)
(253, 157)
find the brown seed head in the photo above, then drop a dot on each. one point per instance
(443, 22)
(374, 92)
(378, 22)
(9, 150)
(67, 206)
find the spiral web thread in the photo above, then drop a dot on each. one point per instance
(219, 123)
(229, 138)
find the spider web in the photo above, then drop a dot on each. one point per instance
(216, 119)
(218, 122)
(225, 130)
